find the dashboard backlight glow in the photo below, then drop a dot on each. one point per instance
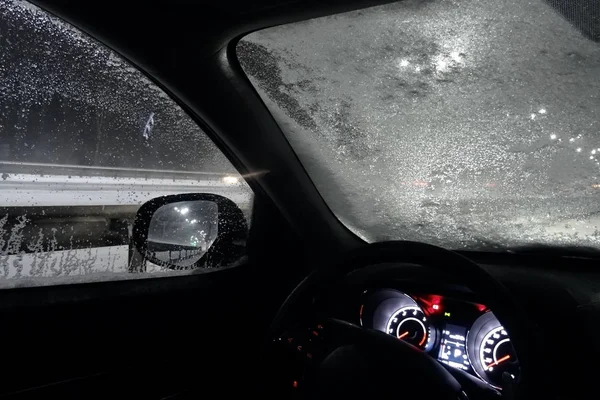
(432, 302)
(453, 347)
(460, 333)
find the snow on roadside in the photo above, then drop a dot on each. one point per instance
(100, 264)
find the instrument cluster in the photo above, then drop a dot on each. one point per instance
(458, 333)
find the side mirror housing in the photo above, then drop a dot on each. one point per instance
(190, 230)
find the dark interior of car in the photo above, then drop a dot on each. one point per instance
(303, 316)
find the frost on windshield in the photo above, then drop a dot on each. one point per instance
(85, 139)
(466, 124)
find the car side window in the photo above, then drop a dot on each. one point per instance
(85, 140)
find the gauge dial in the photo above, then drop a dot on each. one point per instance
(497, 356)
(490, 351)
(411, 325)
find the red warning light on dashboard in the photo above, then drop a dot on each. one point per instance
(435, 308)
(433, 303)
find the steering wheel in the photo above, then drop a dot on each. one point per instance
(361, 362)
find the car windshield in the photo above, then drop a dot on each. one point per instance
(467, 124)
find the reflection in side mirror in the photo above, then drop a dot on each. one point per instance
(181, 233)
(189, 231)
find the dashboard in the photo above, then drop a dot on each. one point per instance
(560, 296)
(460, 334)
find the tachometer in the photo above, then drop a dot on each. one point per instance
(410, 324)
(491, 351)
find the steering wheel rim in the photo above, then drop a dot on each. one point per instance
(495, 294)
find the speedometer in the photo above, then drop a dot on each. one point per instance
(410, 324)
(491, 351)
(399, 315)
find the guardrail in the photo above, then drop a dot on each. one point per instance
(54, 185)
(12, 167)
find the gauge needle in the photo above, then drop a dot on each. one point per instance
(403, 335)
(506, 357)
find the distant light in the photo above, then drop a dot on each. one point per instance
(435, 306)
(532, 116)
(542, 111)
(417, 69)
(230, 180)
(572, 140)
(420, 183)
(193, 221)
(591, 157)
(441, 65)
(184, 211)
(455, 55)
(594, 151)
(579, 150)
(404, 63)
(596, 185)
(553, 137)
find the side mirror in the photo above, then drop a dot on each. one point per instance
(190, 230)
